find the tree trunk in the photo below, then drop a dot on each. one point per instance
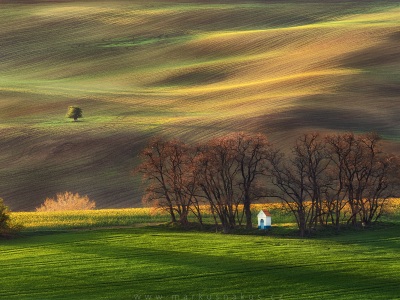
(172, 214)
(247, 211)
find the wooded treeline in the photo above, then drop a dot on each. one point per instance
(325, 179)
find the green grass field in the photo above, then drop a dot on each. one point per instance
(189, 69)
(159, 263)
(131, 254)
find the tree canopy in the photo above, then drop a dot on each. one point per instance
(74, 112)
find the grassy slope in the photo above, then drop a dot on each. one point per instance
(133, 263)
(179, 68)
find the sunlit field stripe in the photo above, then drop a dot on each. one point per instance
(142, 216)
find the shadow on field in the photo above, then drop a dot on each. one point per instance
(190, 261)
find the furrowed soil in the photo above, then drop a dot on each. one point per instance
(187, 69)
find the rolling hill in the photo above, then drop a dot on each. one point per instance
(188, 69)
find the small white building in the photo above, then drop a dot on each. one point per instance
(264, 219)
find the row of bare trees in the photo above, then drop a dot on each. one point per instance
(223, 173)
(335, 179)
(332, 179)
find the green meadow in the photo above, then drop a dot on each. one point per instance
(162, 263)
(135, 254)
(188, 69)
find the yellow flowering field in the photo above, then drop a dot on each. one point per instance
(88, 218)
(135, 216)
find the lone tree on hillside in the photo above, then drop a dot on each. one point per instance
(74, 112)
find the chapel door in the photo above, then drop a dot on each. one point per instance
(262, 223)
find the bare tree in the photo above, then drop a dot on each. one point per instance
(302, 180)
(340, 148)
(252, 152)
(217, 169)
(377, 181)
(288, 178)
(311, 150)
(364, 176)
(168, 168)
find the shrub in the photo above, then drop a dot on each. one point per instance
(67, 201)
(4, 216)
(6, 226)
